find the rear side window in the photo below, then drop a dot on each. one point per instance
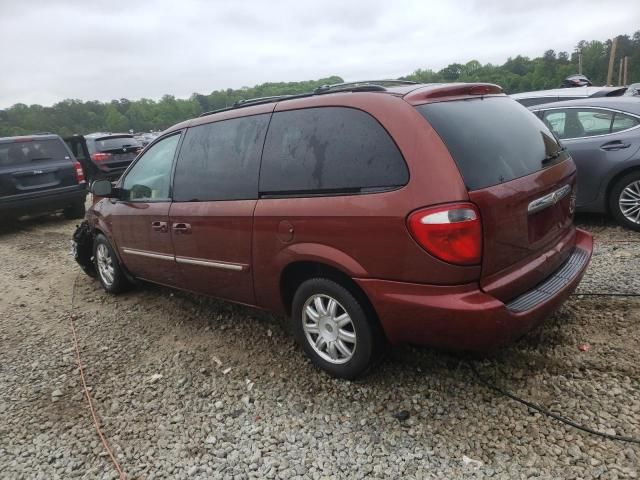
(587, 122)
(32, 152)
(623, 122)
(329, 150)
(492, 140)
(220, 161)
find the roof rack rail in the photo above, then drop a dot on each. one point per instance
(362, 85)
(259, 100)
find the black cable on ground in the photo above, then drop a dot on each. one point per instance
(546, 412)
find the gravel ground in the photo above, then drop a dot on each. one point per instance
(188, 387)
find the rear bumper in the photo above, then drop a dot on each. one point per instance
(466, 318)
(48, 201)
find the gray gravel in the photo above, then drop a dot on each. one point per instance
(188, 387)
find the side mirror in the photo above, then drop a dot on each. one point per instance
(102, 188)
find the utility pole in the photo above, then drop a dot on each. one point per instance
(626, 70)
(580, 62)
(620, 68)
(612, 57)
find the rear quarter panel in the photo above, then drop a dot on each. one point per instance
(365, 236)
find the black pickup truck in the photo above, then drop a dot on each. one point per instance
(38, 174)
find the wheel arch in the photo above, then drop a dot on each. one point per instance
(295, 273)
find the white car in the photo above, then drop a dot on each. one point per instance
(529, 99)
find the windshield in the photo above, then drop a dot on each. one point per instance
(32, 151)
(493, 140)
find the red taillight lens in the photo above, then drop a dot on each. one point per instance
(100, 157)
(452, 233)
(79, 173)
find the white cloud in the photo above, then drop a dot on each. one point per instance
(105, 50)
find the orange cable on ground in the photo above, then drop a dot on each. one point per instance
(105, 443)
(88, 397)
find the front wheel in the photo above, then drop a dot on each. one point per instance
(624, 201)
(110, 272)
(333, 328)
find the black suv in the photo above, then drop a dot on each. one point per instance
(104, 155)
(38, 174)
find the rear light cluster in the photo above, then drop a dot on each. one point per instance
(100, 157)
(452, 233)
(79, 173)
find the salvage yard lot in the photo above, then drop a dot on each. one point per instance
(189, 387)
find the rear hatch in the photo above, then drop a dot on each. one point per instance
(522, 181)
(115, 152)
(29, 165)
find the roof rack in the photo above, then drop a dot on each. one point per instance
(361, 86)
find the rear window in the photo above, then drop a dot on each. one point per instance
(493, 140)
(32, 151)
(110, 144)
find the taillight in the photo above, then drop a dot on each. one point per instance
(100, 157)
(452, 233)
(79, 173)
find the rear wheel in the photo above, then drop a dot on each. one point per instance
(75, 211)
(110, 272)
(333, 328)
(624, 201)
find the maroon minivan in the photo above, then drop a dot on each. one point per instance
(430, 214)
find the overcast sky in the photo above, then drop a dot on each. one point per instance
(100, 50)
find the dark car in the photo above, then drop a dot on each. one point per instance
(428, 214)
(39, 174)
(576, 80)
(111, 153)
(603, 137)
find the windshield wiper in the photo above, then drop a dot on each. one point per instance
(40, 158)
(553, 156)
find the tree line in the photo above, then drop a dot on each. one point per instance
(517, 74)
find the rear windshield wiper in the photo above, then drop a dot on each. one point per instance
(40, 158)
(553, 156)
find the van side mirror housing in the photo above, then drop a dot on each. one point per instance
(103, 188)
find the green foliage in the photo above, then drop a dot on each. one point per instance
(517, 74)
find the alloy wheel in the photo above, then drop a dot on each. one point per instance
(329, 329)
(629, 202)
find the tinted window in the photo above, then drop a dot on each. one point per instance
(492, 140)
(110, 144)
(32, 151)
(150, 177)
(220, 161)
(329, 149)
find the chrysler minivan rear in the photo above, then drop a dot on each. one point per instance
(516, 224)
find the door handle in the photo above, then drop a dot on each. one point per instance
(616, 145)
(182, 228)
(160, 226)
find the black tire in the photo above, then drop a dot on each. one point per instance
(614, 199)
(103, 252)
(369, 337)
(75, 211)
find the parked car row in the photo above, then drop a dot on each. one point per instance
(368, 213)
